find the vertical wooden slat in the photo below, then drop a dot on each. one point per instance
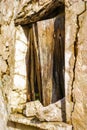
(37, 62)
(45, 41)
(32, 77)
(46, 69)
(58, 59)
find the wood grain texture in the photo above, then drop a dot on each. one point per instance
(34, 10)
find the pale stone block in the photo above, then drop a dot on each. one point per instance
(4, 51)
(3, 113)
(32, 108)
(53, 112)
(20, 68)
(68, 55)
(21, 34)
(19, 57)
(16, 99)
(5, 55)
(19, 82)
(3, 65)
(21, 46)
(19, 119)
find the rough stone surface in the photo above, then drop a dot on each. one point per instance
(14, 47)
(37, 9)
(37, 124)
(19, 90)
(76, 65)
(80, 83)
(3, 114)
(3, 65)
(31, 108)
(53, 112)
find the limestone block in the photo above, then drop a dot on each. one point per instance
(6, 81)
(20, 67)
(1, 46)
(7, 10)
(19, 82)
(76, 63)
(79, 115)
(53, 112)
(8, 38)
(3, 65)
(31, 108)
(20, 75)
(3, 113)
(15, 101)
(5, 55)
(37, 125)
(4, 51)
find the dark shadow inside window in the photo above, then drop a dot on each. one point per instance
(33, 61)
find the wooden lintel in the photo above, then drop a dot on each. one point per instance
(33, 11)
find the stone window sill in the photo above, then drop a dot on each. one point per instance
(30, 122)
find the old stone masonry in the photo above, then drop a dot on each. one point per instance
(43, 65)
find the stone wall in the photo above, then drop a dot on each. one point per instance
(13, 76)
(75, 63)
(7, 50)
(7, 37)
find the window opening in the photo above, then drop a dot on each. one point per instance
(35, 78)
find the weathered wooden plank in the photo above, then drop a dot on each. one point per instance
(58, 58)
(32, 72)
(37, 62)
(36, 10)
(46, 71)
(45, 41)
(33, 66)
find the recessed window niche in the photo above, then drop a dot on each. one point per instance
(39, 62)
(39, 67)
(45, 60)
